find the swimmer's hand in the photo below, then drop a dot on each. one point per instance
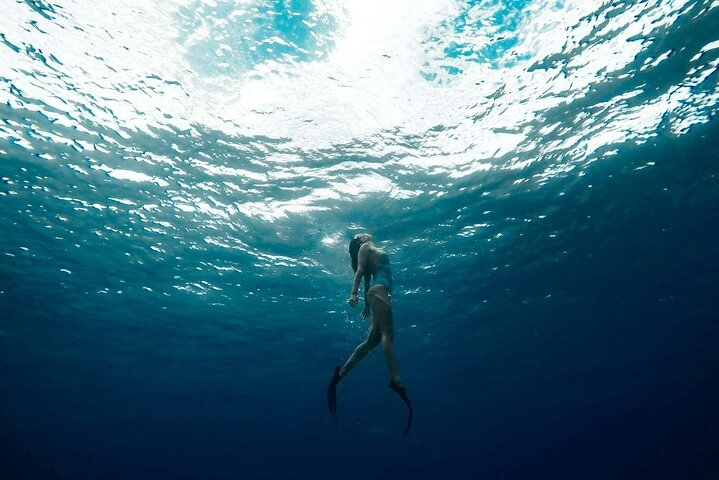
(366, 313)
(353, 301)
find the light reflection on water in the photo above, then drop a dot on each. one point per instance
(204, 143)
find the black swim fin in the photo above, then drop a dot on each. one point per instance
(403, 395)
(332, 393)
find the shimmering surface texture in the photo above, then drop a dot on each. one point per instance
(180, 180)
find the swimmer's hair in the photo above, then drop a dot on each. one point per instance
(355, 245)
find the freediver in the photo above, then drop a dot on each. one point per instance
(371, 264)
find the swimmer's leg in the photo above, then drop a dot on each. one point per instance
(382, 317)
(396, 382)
(382, 314)
(390, 357)
(373, 339)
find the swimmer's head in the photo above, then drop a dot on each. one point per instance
(355, 245)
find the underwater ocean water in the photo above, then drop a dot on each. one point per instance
(181, 178)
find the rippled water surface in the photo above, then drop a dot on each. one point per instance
(180, 180)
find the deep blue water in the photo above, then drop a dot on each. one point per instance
(180, 181)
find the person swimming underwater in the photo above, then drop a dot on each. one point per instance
(371, 264)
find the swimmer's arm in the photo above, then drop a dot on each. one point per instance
(361, 261)
(366, 311)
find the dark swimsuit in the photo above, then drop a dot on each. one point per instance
(383, 273)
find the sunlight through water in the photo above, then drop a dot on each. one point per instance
(179, 180)
(214, 119)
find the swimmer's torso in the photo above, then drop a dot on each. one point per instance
(379, 267)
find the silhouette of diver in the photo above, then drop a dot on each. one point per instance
(371, 264)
